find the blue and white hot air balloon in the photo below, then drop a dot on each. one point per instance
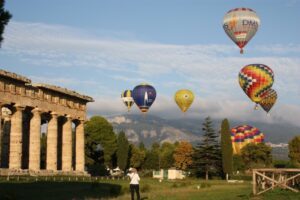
(144, 95)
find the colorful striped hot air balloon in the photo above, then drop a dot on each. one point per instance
(256, 80)
(144, 95)
(268, 100)
(243, 135)
(184, 99)
(241, 24)
(127, 99)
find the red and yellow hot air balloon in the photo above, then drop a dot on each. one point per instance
(243, 135)
(256, 80)
(241, 24)
(268, 100)
(184, 99)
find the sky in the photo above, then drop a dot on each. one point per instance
(102, 47)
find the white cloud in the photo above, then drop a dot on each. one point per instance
(209, 70)
(212, 67)
(165, 107)
(132, 136)
(120, 120)
(149, 133)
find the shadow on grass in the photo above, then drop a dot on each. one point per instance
(58, 190)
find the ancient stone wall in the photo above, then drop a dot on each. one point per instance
(24, 107)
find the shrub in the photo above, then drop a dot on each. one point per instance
(145, 188)
(183, 184)
(174, 185)
(125, 189)
(205, 185)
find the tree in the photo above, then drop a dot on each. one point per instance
(183, 155)
(142, 146)
(166, 152)
(4, 19)
(294, 151)
(100, 141)
(122, 151)
(137, 157)
(152, 160)
(207, 157)
(226, 147)
(256, 155)
(238, 163)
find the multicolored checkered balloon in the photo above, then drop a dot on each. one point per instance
(256, 80)
(269, 99)
(243, 135)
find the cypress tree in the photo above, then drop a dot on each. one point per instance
(294, 151)
(207, 157)
(4, 19)
(226, 147)
(122, 151)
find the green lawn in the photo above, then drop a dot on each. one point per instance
(189, 189)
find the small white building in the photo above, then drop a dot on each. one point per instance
(169, 174)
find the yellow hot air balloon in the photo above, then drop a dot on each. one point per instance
(184, 99)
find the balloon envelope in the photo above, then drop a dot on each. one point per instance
(255, 80)
(241, 24)
(268, 100)
(144, 95)
(184, 99)
(127, 99)
(243, 135)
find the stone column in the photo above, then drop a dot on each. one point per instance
(67, 145)
(79, 148)
(1, 134)
(5, 142)
(35, 140)
(51, 157)
(15, 150)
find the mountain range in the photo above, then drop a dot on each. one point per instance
(150, 128)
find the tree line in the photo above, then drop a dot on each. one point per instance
(212, 156)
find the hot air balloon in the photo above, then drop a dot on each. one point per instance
(127, 99)
(144, 95)
(255, 80)
(243, 135)
(184, 99)
(268, 100)
(241, 24)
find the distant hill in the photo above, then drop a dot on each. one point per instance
(274, 133)
(149, 129)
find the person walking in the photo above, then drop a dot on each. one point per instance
(134, 183)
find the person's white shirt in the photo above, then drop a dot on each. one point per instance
(134, 178)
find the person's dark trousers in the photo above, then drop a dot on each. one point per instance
(136, 188)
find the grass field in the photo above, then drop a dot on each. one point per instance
(189, 189)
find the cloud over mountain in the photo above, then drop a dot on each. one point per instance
(103, 67)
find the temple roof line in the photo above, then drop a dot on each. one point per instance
(14, 76)
(54, 88)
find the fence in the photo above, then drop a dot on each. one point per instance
(58, 178)
(268, 179)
